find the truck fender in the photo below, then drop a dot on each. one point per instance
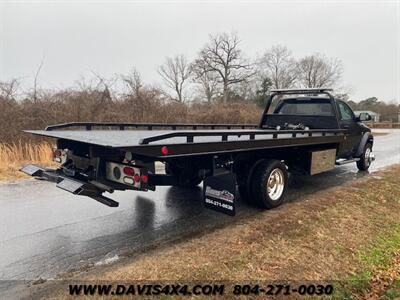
(367, 137)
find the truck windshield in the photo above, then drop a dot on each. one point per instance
(309, 108)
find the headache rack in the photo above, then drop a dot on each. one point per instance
(303, 91)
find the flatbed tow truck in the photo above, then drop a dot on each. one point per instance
(303, 131)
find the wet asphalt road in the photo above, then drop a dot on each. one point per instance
(45, 231)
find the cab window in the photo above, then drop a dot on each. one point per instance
(305, 108)
(345, 111)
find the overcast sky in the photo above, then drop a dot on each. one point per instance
(76, 38)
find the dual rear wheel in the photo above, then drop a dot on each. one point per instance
(265, 184)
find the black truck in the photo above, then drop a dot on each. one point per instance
(303, 131)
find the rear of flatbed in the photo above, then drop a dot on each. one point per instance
(123, 156)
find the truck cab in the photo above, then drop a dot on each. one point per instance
(294, 109)
(356, 130)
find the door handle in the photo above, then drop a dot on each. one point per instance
(346, 126)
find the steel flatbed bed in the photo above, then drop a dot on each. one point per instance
(195, 142)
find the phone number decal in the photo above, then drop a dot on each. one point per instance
(282, 289)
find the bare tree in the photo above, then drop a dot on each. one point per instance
(133, 81)
(208, 80)
(35, 81)
(279, 66)
(317, 70)
(9, 89)
(175, 72)
(223, 56)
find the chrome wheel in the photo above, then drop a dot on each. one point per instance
(275, 184)
(367, 156)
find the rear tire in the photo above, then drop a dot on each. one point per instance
(245, 173)
(365, 159)
(269, 184)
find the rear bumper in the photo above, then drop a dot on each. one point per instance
(91, 189)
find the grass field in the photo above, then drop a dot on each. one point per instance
(13, 156)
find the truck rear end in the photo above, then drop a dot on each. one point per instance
(90, 171)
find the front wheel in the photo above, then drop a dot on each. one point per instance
(366, 158)
(269, 184)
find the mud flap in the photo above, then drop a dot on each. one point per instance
(219, 193)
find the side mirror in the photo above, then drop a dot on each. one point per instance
(365, 117)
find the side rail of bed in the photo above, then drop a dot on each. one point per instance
(251, 135)
(147, 126)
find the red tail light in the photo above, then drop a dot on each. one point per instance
(164, 150)
(129, 171)
(59, 156)
(137, 178)
(144, 178)
(57, 153)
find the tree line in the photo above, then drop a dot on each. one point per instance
(221, 71)
(220, 85)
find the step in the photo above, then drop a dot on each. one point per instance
(346, 161)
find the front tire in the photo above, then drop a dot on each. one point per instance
(269, 184)
(365, 159)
